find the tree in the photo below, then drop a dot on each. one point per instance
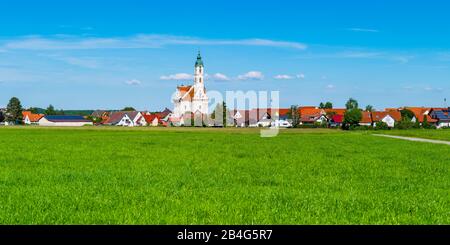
(294, 115)
(352, 117)
(407, 114)
(221, 112)
(128, 108)
(381, 126)
(369, 108)
(33, 110)
(50, 110)
(14, 111)
(425, 123)
(351, 104)
(224, 114)
(327, 105)
(2, 117)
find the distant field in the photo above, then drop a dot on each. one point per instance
(110, 175)
(441, 134)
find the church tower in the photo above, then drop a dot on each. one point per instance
(198, 72)
(200, 100)
(192, 99)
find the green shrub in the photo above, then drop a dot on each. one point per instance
(381, 126)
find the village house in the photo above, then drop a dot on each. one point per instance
(366, 119)
(153, 120)
(282, 119)
(389, 117)
(30, 118)
(442, 117)
(126, 119)
(420, 113)
(64, 121)
(312, 115)
(336, 120)
(101, 114)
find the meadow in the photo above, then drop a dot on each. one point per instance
(95, 175)
(440, 134)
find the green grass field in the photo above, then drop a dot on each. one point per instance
(219, 176)
(441, 134)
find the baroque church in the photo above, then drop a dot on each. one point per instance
(193, 98)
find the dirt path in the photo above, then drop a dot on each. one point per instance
(415, 139)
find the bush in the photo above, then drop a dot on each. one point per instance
(381, 126)
(405, 124)
(359, 127)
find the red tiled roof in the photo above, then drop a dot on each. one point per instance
(183, 90)
(379, 115)
(310, 111)
(366, 117)
(419, 112)
(337, 111)
(33, 117)
(150, 118)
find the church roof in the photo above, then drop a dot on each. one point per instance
(186, 92)
(199, 61)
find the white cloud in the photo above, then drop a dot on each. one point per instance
(133, 82)
(358, 54)
(330, 86)
(220, 77)
(362, 30)
(283, 77)
(91, 63)
(64, 42)
(403, 59)
(251, 75)
(300, 76)
(431, 89)
(408, 88)
(178, 76)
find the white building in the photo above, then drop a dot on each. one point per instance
(126, 119)
(64, 121)
(192, 99)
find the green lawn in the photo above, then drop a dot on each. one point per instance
(219, 176)
(441, 134)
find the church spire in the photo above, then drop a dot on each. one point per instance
(199, 61)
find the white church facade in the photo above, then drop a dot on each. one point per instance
(192, 98)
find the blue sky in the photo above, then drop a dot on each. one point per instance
(110, 54)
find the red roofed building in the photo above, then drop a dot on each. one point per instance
(366, 119)
(336, 111)
(153, 120)
(31, 118)
(389, 117)
(420, 113)
(311, 115)
(336, 120)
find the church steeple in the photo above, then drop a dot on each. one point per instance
(198, 73)
(199, 61)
